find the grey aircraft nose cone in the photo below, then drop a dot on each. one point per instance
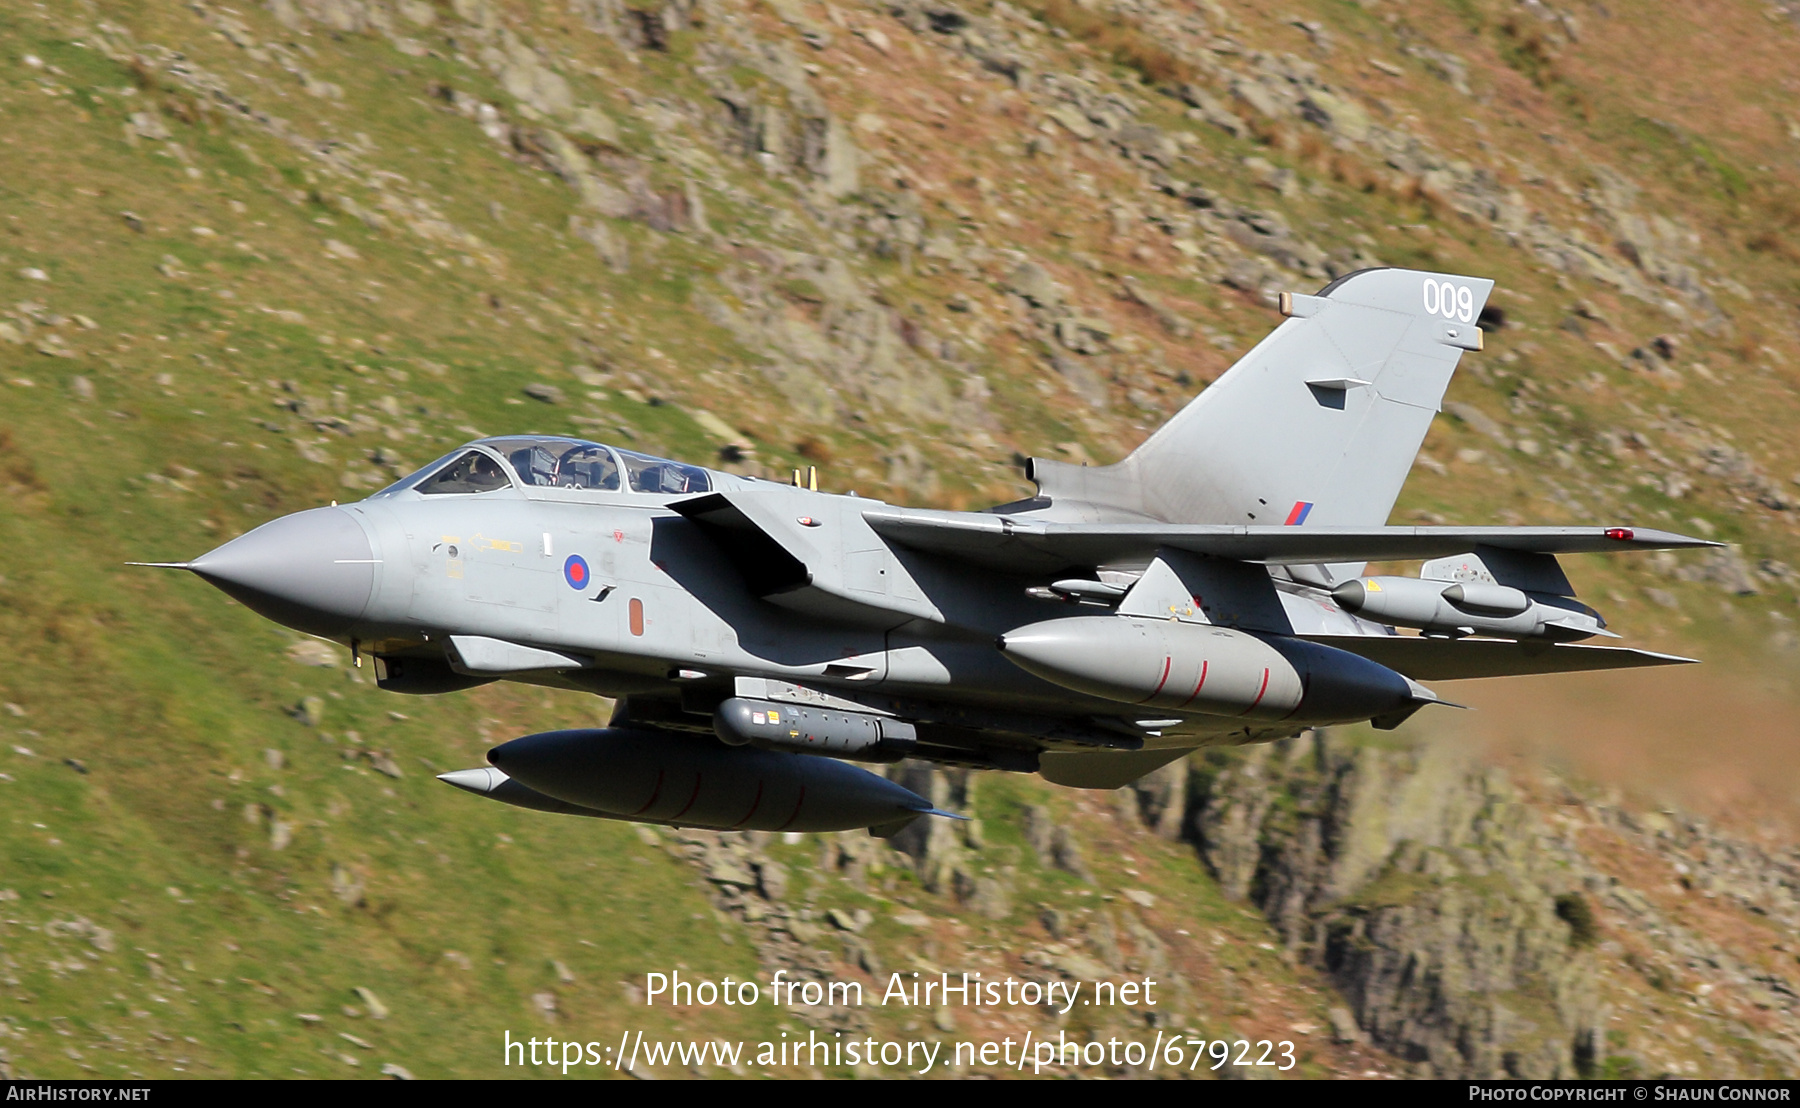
(313, 571)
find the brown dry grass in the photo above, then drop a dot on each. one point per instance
(1118, 39)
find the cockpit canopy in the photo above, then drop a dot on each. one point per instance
(560, 463)
(537, 461)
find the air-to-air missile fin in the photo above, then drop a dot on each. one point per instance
(1432, 659)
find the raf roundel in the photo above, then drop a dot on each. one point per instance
(575, 571)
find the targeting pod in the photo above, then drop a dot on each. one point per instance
(808, 729)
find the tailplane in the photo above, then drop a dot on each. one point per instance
(1318, 424)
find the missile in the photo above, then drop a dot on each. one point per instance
(1466, 607)
(808, 729)
(1076, 588)
(1217, 671)
(692, 780)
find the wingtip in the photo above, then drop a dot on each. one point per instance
(1666, 540)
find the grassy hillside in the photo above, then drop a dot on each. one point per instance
(256, 259)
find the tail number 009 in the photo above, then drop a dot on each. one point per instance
(1450, 301)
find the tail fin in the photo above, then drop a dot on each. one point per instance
(1319, 423)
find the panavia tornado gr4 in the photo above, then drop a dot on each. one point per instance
(760, 638)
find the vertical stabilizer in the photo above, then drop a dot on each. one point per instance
(1317, 425)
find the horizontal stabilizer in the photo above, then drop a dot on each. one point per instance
(1025, 545)
(1453, 659)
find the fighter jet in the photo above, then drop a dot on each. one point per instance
(760, 637)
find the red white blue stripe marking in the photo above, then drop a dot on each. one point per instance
(1298, 515)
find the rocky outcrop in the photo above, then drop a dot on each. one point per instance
(1450, 918)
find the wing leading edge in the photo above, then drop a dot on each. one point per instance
(1022, 545)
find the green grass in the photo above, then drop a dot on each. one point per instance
(169, 695)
